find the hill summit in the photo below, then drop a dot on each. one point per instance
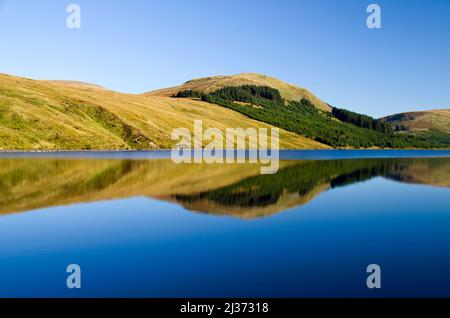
(210, 84)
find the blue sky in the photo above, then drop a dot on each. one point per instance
(325, 46)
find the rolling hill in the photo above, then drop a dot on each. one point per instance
(70, 115)
(210, 84)
(433, 124)
(64, 115)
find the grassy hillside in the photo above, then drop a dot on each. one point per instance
(43, 115)
(433, 124)
(68, 115)
(339, 128)
(210, 84)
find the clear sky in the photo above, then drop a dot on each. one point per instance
(325, 46)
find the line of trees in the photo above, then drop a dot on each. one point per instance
(189, 93)
(360, 120)
(303, 118)
(248, 94)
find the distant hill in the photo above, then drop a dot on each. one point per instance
(210, 84)
(433, 124)
(421, 121)
(64, 115)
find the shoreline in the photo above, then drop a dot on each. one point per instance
(224, 149)
(284, 154)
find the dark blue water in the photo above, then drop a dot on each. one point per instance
(140, 246)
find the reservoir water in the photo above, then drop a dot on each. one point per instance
(139, 225)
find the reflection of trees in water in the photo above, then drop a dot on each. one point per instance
(304, 177)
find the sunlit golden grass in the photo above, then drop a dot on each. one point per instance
(49, 115)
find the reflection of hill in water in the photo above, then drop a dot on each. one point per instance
(299, 183)
(238, 190)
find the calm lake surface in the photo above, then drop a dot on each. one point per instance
(142, 226)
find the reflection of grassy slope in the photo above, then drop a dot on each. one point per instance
(231, 189)
(36, 115)
(435, 172)
(31, 184)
